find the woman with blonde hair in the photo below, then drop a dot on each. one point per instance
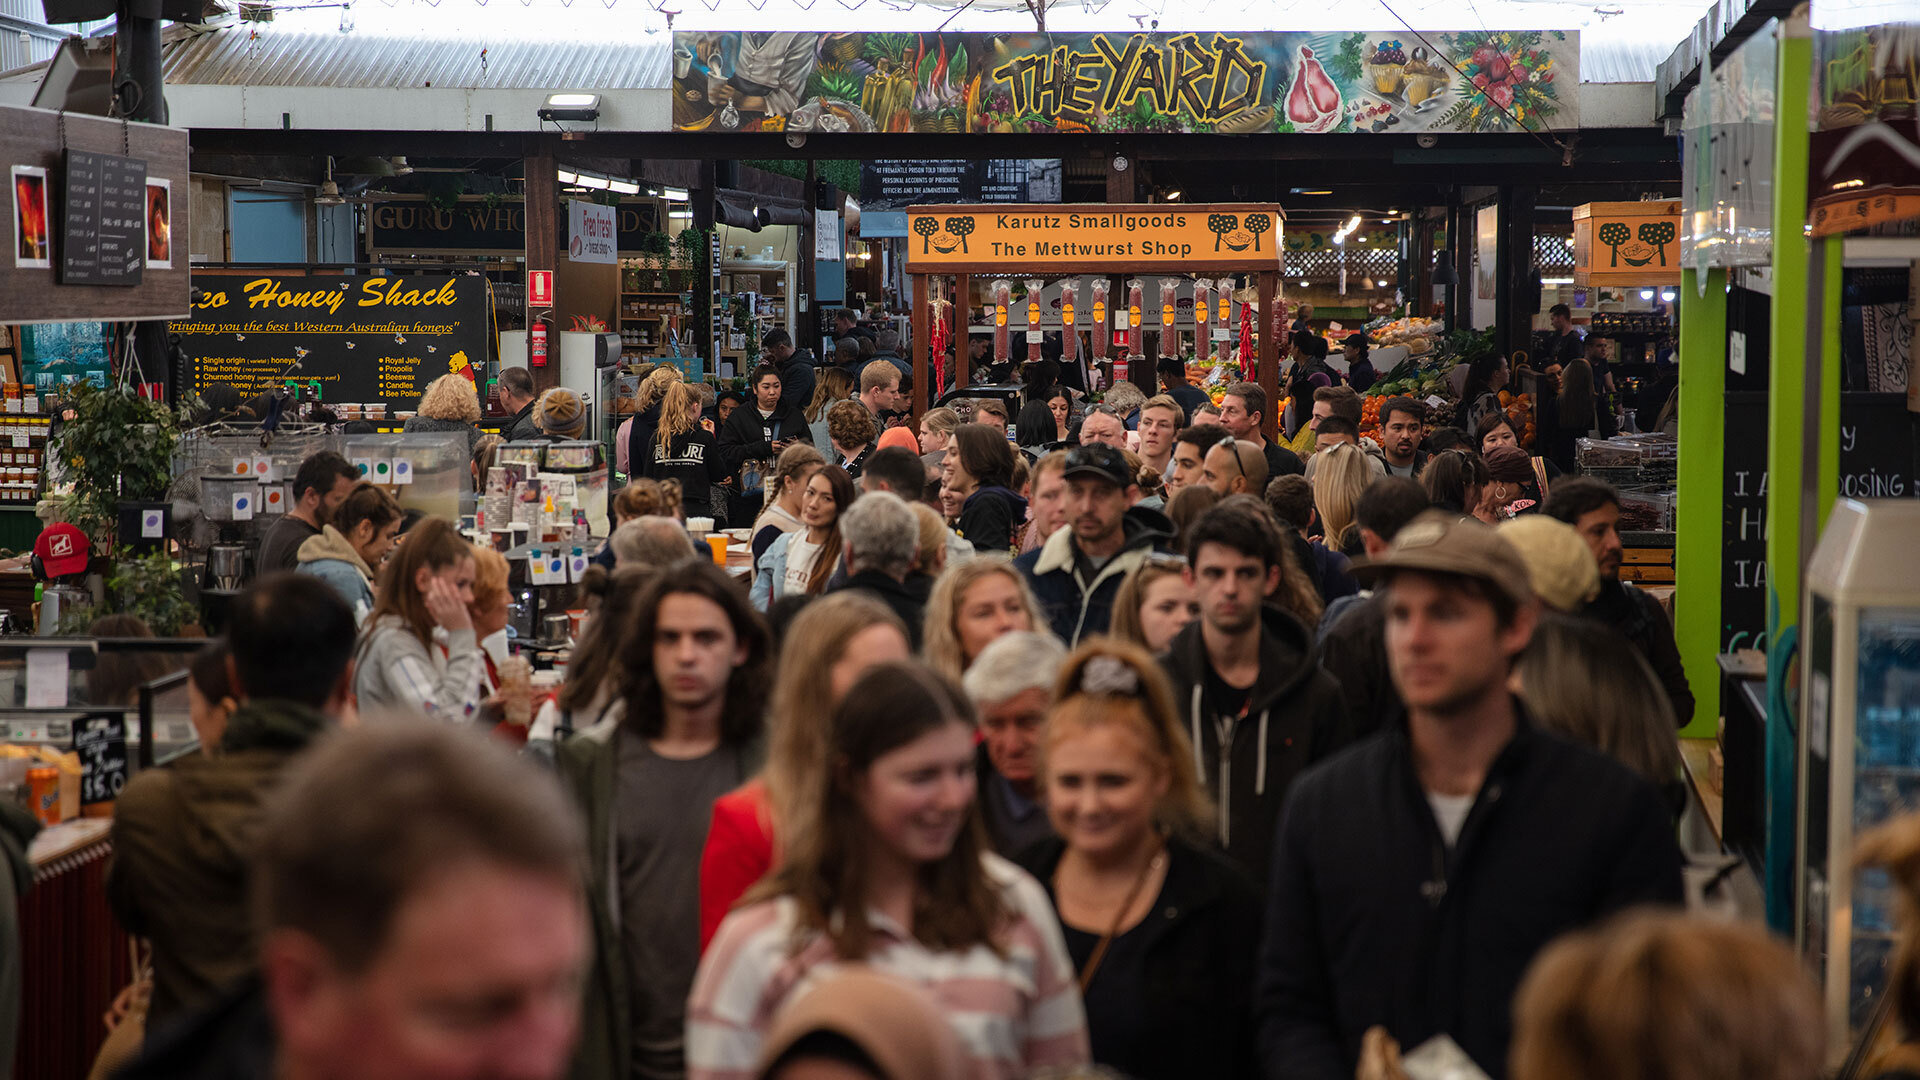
(1160, 926)
(1338, 482)
(637, 431)
(1666, 996)
(972, 603)
(887, 866)
(834, 386)
(483, 454)
(795, 466)
(831, 643)
(930, 556)
(1154, 603)
(683, 450)
(450, 404)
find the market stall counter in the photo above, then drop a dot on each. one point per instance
(1195, 250)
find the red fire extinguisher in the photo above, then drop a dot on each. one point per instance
(537, 344)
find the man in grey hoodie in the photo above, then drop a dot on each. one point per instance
(1259, 711)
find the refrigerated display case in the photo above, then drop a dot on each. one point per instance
(1859, 746)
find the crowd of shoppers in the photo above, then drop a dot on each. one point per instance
(1177, 762)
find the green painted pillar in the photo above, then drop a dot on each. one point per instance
(1697, 525)
(1786, 446)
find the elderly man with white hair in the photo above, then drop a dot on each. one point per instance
(1011, 684)
(882, 538)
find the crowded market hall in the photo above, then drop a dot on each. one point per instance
(959, 540)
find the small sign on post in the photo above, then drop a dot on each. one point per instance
(539, 288)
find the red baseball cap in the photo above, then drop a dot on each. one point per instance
(63, 550)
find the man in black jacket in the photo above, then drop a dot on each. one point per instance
(758, 431)
(1257, 708)
(1593, 507)
(518, 397)
(1417, 875)
(794, 365)
(1353, 632)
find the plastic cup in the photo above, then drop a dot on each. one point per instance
(718, 542)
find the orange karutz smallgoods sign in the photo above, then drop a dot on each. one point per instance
(990, 238)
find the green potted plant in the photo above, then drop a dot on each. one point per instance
(117, 447)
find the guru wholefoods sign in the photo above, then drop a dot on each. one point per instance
(1241, 236)
(478, 227)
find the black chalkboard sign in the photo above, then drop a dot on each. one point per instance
(103, 220)
(1877, 461)
(101, 743)
(361, 339)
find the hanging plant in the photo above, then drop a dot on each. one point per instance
(118, 447)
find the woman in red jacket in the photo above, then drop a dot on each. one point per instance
(827, 648)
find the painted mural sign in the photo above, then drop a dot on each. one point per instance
(1866, 138)
(1309, 83)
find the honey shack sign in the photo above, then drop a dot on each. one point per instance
(1092, 237)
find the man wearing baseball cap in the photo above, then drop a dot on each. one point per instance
(1076, 573)
(1416, 876)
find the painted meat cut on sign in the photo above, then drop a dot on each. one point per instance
(953, 83)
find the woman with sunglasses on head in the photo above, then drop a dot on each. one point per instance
(1162, 929)
(887, 867)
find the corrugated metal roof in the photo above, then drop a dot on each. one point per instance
(257, 55)
(1613, 59)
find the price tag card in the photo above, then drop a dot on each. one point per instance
(153, 524)
(19, 442)
(382, 471)
(30, 401)
(556, 568)
(363, 467)
(273, 498)
(402, 471)
(1034, 337)
(13, 404)
(244, 502)
(1220, 334)
(101, 744)
(263, 466)
(577, 565)
(537, 567)
(241, 467)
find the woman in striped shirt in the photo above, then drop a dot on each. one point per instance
(891, 869)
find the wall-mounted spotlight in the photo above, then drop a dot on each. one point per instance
(582, 107)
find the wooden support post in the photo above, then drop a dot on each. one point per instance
(962, 320)
(1269, 346)
(543, 249)
(922, 367)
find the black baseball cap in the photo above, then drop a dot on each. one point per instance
(1101, 460)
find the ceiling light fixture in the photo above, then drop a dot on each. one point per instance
(566, 176)
(624, 187)
(598, 183)
(583, 107)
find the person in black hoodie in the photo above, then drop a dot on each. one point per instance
(682, 449)
(796, 367)
(759, 431)
(1257, 710)
(1593, 508)
(1416, 876)
(1077, 572)
(1157, 922)
(979, 470)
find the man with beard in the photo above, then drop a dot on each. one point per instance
(1416, 877)
(1593, 508)
(1076, 571)
(1402, 421)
